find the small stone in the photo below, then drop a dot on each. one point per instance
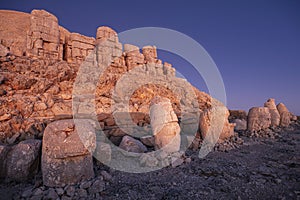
(2, 92)
(66, 198)
(98, 186)
(85, 185)
(5, 117)
(148, 160)
(278, 181)
(148, 140)
(60, 191)
(106, 175)
(37, 192)
(27, 193)
(162, 155)
(70, 191)
(13, 138)
(176, 162)
(52, 194)
(82, 193)
(188, 160)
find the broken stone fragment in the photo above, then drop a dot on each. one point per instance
(214, 124)
(23, 160)
(285, 115)
(259, 118)
(164, 123)
(67, 152)
(132, 145)
(275, 116)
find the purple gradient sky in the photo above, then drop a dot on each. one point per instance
(255, 44)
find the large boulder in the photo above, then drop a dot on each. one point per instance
(164, 123)
(259, 118)
(275, 117)
(23, 160)
(67, 152)
(285, 115)
(214, 123)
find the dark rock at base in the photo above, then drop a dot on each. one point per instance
(23, 159)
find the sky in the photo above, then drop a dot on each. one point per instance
(255, 44)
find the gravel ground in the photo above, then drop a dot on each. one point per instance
(262, 168)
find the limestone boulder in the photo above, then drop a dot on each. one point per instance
(43, 37)
(67, 152)
(133, 56)
(132, 145)
(14, 26)
(106, 33)
(275, 117)
(22, 160)
(285, 115)
(240, 124)
(164, 123)
(259, 118)
(214, 123)
(150, 54)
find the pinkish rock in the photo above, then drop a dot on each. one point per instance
(106, 33)
(285, 115)
(275, 117)
(259, 118)
(214, 123)
(23, 160)
(66, 153)
(132, 145)
(150, 54)
(164, 123)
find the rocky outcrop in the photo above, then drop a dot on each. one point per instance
(13, 35)
(275, 117)
(67, 152)
(43, 37)
(164, 125)
(259, 118)
(39, 35)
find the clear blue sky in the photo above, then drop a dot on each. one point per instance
(255, 44)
